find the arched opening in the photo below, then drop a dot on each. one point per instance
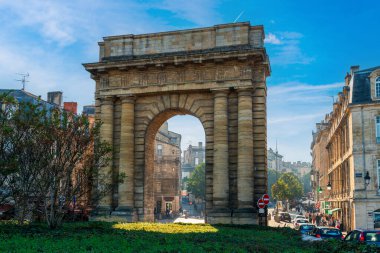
(174, 154)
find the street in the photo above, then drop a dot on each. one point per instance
(272, 223)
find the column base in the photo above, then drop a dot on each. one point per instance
(219, 216)
(102, 211)
(245, 216)
(124, 212)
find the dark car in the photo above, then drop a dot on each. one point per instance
(282, 216)
(364, 236)
(326, 233)
(306, 228)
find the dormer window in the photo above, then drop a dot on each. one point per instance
(377, 87)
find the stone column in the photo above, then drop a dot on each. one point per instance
(220, 169)
(245, 149)
(127, 154)
(106, 134)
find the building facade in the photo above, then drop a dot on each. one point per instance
(192, 157)
(167, 171)
(274, 160)
(353, 147)
(320, 166)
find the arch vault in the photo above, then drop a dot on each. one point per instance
(217, 74)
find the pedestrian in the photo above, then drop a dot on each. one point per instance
(318, 219)
(337, 223)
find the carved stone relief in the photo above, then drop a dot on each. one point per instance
(138, 79)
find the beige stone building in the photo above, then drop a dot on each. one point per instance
(217, 74)
(320, 165)
(167, 171)
(353, 146)
(192, 157)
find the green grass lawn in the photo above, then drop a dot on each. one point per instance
(153, 237)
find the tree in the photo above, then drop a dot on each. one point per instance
(196, 184)
(273, 176)
(50, 159)
(74, 164)
(288, 187)
(21, 152)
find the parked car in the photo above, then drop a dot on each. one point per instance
(282, 216)
(306, 228)
(299, 221)
(326, 233)
(293, 216)
(364, 236)
(296, 216)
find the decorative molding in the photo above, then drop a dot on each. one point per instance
(134, 78)
(127, 99)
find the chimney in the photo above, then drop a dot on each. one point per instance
(347, 79)
(70, 107)
(55, 97)
(353, 69)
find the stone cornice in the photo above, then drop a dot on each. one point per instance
(176, 59)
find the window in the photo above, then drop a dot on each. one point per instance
(159, 150)
(378, 174)
(196, 161)
(377, 129)
(378, 87)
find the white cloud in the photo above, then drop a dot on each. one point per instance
(50, 39)
(295, 118)
(293, 110)
(286, 49)
(291, 87)
(270, 38)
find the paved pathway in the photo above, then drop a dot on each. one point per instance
(189, 220)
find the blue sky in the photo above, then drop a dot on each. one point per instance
(311, 45)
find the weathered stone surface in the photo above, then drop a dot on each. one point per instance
(216, 74)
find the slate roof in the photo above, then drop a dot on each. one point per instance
(22, 95)
(361, 90)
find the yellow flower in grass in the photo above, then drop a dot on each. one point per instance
(166, 228)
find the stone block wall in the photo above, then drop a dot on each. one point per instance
(236, 34)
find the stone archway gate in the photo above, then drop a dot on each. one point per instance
(217, 74)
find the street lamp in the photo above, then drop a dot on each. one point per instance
(320, 189)
(367, 178)
(329, 186)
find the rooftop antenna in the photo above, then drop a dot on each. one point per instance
(23, 79)
(241, 13)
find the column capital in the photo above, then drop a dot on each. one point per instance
(245, 91)
(130, 99)
(106, 100)
(220, 92)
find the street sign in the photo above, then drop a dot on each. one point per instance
(261, 210)
(266, 199)
(260, 203)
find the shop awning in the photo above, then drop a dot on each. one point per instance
(334, 210)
